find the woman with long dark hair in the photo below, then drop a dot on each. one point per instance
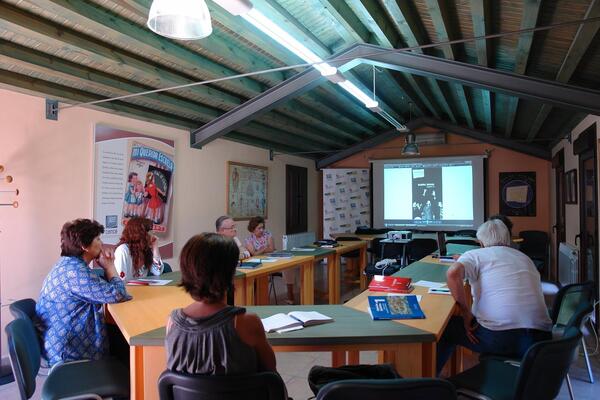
(137, 254)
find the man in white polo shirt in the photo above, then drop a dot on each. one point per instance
(509, 313)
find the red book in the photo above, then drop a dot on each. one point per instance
(390, 284)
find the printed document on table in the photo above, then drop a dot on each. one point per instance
(429, 284)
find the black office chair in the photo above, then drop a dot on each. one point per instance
(88, 379)
(167, 268)
(25, 309)
(536, 244)
(377, 389)
(468, 242)
(419, 248)
(569, 301)
(466, 232)
(260, 386)
(539, 375)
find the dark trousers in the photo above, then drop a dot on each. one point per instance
(510, 343)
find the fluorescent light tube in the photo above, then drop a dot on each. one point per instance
(359, 94)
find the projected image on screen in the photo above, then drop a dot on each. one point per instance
(426, 192)
(430, 192)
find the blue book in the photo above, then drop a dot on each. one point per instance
(250, 264)
(395, 307)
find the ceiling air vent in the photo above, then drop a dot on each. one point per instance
(430, 138)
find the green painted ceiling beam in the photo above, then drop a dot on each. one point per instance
(118, 29)
(531, 10)
(360, 121)
(582, 40)
(63, 70)
(440, 23)
(272, 11)
(480, 13)
(383, 33)
(408, 26)
(68, 94)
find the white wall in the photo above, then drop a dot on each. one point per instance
(51, 162)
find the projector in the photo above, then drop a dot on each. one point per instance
(399, 235)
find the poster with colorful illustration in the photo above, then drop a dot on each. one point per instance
(346, 200)
(246, 190)
(133, 177)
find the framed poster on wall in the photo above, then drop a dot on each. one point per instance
(133, 177)
(246, 190)
(517, 194)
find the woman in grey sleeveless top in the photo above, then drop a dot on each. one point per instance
(209, 337)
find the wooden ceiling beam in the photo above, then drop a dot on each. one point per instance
(407, 24)
(360, 121)
(58, 69)
(480, 13)
(440, 22)
(22, 23)
(67, 94)
(353, 18)
(118, 29)
(273, 11)
(531, 10)
(582, 40)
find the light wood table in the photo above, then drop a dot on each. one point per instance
(333, 280)
(408, 344)
(344, 248)
(260, 276)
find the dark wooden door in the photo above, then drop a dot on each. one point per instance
(559, 228)
(585, 147)
(296, 204)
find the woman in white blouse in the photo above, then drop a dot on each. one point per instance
(137, 254)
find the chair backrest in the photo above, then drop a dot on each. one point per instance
(534, 242)
(24, 354)
(377, 389)
(361, 230)
(466, 232)
(260, 386)
(346, 238)
(419, 248)
(24, 308)
(545, 366)
(463, 241)
(569, 299)
(167, 268)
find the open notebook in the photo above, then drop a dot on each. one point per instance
(294, 320)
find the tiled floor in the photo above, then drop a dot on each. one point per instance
(294, 367)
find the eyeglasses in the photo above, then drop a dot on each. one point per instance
(231, 228)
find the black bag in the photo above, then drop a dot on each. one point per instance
(390, 269)
(319, 376)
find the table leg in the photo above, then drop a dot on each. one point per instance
(353, 357)
(262, 290)
(307, 292)
(136, 372)
(239, 293)
(429, 358)
(407, 360)
(333, 280)
(249, 292)
(338, 358)
(362, 267)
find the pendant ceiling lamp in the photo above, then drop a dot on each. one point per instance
(411, 148)
(180, 19)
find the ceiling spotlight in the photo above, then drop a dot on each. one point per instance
(180, 19)
(410, 148)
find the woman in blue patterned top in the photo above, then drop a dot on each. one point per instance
(70, 308)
